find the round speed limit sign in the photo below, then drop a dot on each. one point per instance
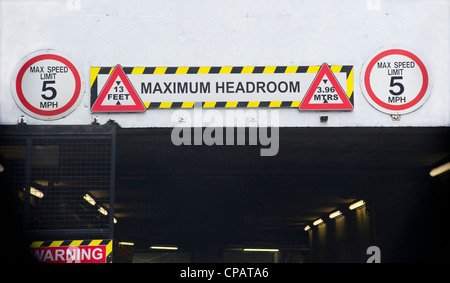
(395, 81)
(47, 85)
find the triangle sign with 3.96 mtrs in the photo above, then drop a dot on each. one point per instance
(325, 93)
(118, 95)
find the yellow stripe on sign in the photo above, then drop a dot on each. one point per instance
(275, 104)
(109, 248)
(36, 244)
(146, 104)
(160, 70)
(350, 83)
(253, 104)
(296, 103)
(138, 70)
(95, 242)
(76, 243)
(94, 74)
(56, 243)
(209, 105)
(231, 104)
(269, 69)
(335, 69)
(225, 70)
(182, 70)
(203, 70)
(247, 70)
(165, 105)
(313, 69)
(291, 69)
(187, 105)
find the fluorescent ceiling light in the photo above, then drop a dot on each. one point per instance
(335, 214)
(318, 221)
(37, 193)
(41, 182)
(261, 250)
(163, 248)
(307, 227)
(356, 205)
(102, 211)
(439, 170)
(89, 199)
(126, 243)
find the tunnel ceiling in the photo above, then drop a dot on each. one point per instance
(230, 195)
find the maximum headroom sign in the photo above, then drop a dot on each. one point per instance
(135, 89)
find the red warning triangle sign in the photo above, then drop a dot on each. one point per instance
(325, 93)
(118, 95)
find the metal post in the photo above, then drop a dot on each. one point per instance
(112, 184)
(28, 164)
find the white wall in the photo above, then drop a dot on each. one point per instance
(229, 33)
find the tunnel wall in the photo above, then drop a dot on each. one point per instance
(343, 239)
(407, 222)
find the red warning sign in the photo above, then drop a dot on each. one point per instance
(73, 254)
(325, 93)
(118, 95)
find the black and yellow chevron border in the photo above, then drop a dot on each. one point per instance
(347, 69)
(73, 243)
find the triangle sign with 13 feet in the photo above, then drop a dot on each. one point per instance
(325, 93)
(118, 95)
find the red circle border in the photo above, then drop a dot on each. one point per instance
(35, 110)
(383, 54)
